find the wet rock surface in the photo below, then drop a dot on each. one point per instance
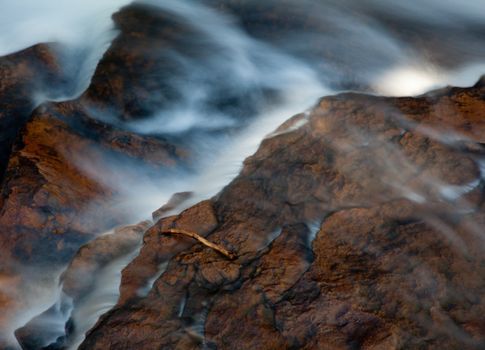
(50, 204)
(77, 284)
(171, 53)
(357, 225)
(22, 76)
(46, 188)
(55, 160)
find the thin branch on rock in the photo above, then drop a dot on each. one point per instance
(216, 247)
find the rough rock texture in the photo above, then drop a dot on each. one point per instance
(47, 190)
(22, 76)
(47, 185)
(392, 189)
(55, 160)
(357, 226)
(50, 204)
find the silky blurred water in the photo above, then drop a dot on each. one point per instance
(271, 58)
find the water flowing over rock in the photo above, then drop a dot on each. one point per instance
(58, 166)
(50, 205)
(64, 322)
(22, 76)
(357, 225)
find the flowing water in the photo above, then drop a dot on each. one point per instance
(257, 70)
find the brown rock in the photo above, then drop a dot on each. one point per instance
(137, 278)
(51, 205)
(56, 177)
(395, 184)
(46, 191)
(78, 278)
(393, 191)
(22, 76)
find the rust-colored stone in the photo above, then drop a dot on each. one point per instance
(392, 189)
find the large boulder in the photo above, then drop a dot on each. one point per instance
(356, 225)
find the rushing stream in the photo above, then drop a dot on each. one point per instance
(255, 72)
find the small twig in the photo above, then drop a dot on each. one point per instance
(216, 247)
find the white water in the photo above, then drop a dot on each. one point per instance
(81, 30)
(101, 299)
(365, 52)
(253, 65)
(35, 298)
(24, 23)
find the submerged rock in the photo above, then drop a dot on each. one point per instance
(358, 225)
(61, 325)
(176, 200)
(158, 63)
(86, 287)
